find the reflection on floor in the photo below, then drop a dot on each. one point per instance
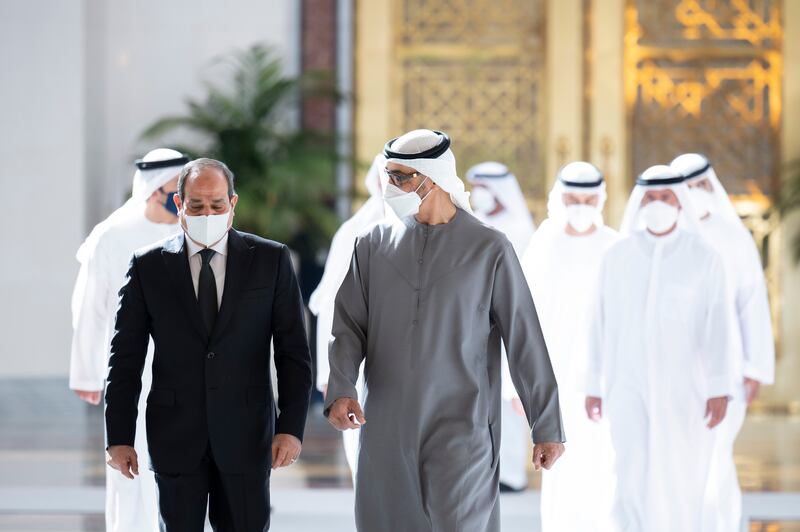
(50, 450)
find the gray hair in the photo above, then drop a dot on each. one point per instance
(193, 168)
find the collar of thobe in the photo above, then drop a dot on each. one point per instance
(412, 223)
(220, 247)
(649, 241)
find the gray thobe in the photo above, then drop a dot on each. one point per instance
(426, 307)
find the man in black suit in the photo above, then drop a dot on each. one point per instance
(212, 299)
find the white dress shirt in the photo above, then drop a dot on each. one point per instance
(218, 263)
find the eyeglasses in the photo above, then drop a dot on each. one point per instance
(398, 178)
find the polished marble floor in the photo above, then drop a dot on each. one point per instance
(52, 470)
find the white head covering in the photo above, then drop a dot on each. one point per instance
(153, 171)
(375, 180)
(501, 186)
(696, 167)
(578, 177)
(504, 187)
(341, 249)
(660, 177)
(428, 152)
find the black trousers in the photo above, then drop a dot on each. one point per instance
(236, 503)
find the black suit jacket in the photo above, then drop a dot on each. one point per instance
(210, 387)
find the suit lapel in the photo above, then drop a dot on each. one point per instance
(177, 263)
(239, 257)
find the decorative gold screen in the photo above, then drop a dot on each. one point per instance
(475, 69)
(705, 76)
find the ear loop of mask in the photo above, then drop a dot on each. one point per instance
(420, 186)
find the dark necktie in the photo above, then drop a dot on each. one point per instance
(207, 290)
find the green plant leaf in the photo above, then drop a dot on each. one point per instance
(284, 176)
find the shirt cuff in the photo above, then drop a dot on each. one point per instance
(291, 423)
(753, 372)
(593, 385)
(548, 432)
(719, 387)
(120, 439)
(338, 392)
(85, 385)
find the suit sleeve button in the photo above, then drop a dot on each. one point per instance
(211, 355)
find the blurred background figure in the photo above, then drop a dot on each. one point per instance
(498, 202)
(147, 217)
(336, 266)
(752, 342)
(562, 264)
(660, 367)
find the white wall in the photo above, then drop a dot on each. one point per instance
(151, 55)
(42, 177)
(80, 81)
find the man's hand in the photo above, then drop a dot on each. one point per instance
(93, 398)
(594, 408)
(716, 407)
(285, 450)
(346, 413)
(123, 458)
(751, 388)
(546, 454)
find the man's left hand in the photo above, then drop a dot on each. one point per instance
(285, 450)
(716, 407)
(546, 454)
(751, 387)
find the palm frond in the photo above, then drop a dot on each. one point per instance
(165, 125)
(285, 178)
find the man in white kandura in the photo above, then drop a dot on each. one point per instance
(336, 266)
(753, 344)
(660, 366)
(561, 265)
(147, 217)
(497, 201)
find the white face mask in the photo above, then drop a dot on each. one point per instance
(404, 203)
(207, 230)
(659, 216)
(702, 200)
(483, 201)
(581, 217)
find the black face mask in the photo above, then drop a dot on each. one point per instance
(169, 204)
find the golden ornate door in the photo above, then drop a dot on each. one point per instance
(705, 76)
(473, 68)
